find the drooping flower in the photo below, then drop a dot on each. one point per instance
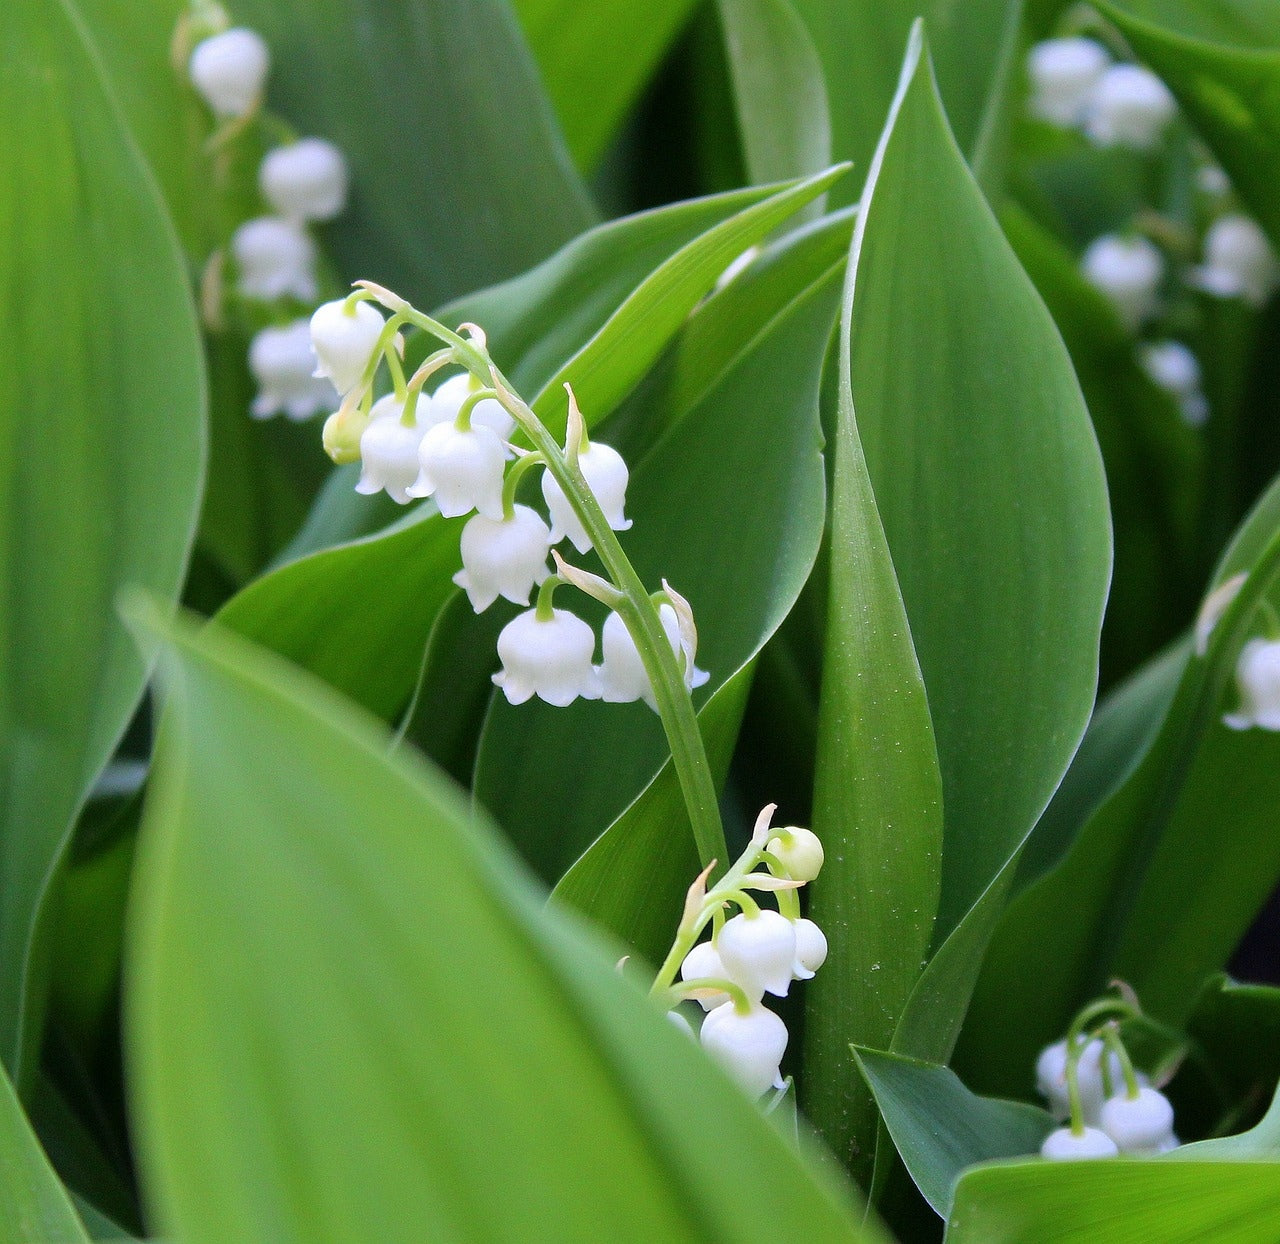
(703, 963)
(811, 950)
(1173, 367)
(463, 469)
(1064, 1145)
(799, 851)
(505, 557)
(547, 657)
(344, 335)
(306, 180)
(758, 950)
(1238, 261)
(1140, 1124)
(1258, 678)
(490, 413)
(229, 70)
(1128, 271)
(389, 451)
(1051, 1078)
(606, 475)
(623, 677)
(283, 364)
(275, 258)
(749, 1045)
(1128, 107)
(1063, 72)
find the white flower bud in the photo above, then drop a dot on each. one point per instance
(622, 673)
(1138, 1124)
(550, 659)
(344, 336)
(703, 963)
(229, 70)
(1128, 272)
(306, 180)
(283, 364)
(759, 951)
(1063, 72)
(678, 1021)
(748, 1046)
(606, 476)
(1051, 1078)
(1238, 261)
(1176, 370)
(811, 950)
(1258, 678)
(490, 413)
(1129, 107)
(1212, 180)
(389, 451)
(463, 470)
(799, 851)
(505, 558)
(1065, 1146)
(275, 259)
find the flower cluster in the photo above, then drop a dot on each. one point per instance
(455, 446)
(1091, 1084)
(301, 182)
(755, 952)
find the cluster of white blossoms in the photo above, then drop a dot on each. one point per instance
(301, 183)
(1091, 1085)
(756, 952)
(1075, 84)
(454, 445)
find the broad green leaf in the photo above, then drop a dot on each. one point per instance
(1230, 94)
(877, 799)
(1164, 872)
(1237, 1025)
(34, 1206)
(422, 1051)
(1258, 1144)
(460, 177)
(101, 422)
(860, 43)
(1121, 1201)
(596, 59)
(989, 484)
(940, 1128)
(778, 89)
(1243, 23)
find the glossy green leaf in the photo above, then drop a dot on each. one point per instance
(861, 44)
(940, 1128)
(101, 421)
(34, 1206)
(1231, 94)
(877, 799)
(1259, 1144)
(596, 59)
(1122, 1201)
(422, 1048)
(1237, 1025)
(460, 175)
(1246, 23)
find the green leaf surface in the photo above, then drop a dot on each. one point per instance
(1237, 1025)
(940, 1128)
(460, 176)
(1246, 23)
(34, 1206)
(877, 799)
(1122, 1201)
(1259, 1144)
(101, 423)
(422, 1050)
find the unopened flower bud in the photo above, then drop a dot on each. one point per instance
(389, 451)
(1064, 1145)
(283, 364)
(506, 557)
(1238, 261)
(606, 475)
(462, 469)
(1129, 107)
(490, 413)
(275, 259)
(799, 851)
(344, 336)
(229, 70)
(1063, 72)
(749, 1046)
(306, 180)
(811, 950)
(759, 951)
(342, 433)
(703, 963)
(550, 659)
(1140, 1124)
(1051, 1078)
(1258, 678)
(1176, 370)
(1128, 272)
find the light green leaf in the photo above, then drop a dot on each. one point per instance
(1244, 23)
(422, 1051)
(940, 1128)
(101, 423)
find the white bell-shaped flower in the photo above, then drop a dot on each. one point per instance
(799, 851)
(811, 950)
(1051, 1078)
(1140, 1124)
(1258, 678)
(1064, 1145)
(703, 963)
(490, 413)
(306, 180)
(1129, 107)
(1173, 367)
(507, 557)
(462, 469)
(229, 70)
(389, 451)
(606, 475)
(548, 658)
(758, 951)
(1128, 271)
(748, 1045)
(679, 1022)
(1238, 261)
(283, 364)
(344, 336)
(275, 258)
(1063, 73)
(622, 674)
